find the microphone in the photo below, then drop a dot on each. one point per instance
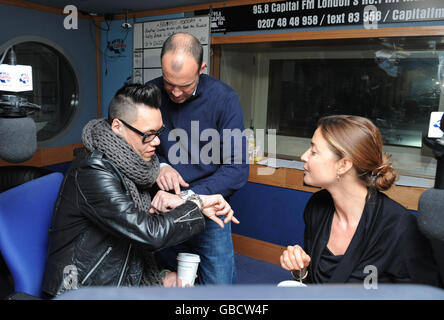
(431, 214)
(18, 137)
(430, 217)
(430, 222)
(435, 141)
(431, 203)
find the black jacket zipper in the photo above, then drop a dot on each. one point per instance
(96, 265)
(124, 265)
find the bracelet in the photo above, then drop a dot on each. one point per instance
(163, 273)
(298, 278)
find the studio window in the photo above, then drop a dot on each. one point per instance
(395, 81)
(55, 87)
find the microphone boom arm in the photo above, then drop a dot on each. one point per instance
(12, 106)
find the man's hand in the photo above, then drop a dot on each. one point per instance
(165, 201)
(171, 280)
(215, 205)
(170, 179)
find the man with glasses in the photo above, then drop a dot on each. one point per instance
(198, 104)
(104, 230)
(146, 137)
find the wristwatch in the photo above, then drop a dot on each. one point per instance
(190, 195)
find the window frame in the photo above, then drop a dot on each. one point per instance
(72, 120)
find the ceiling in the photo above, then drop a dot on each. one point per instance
(102, 7)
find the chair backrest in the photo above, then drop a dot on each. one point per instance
(12, 176)
(25, 217)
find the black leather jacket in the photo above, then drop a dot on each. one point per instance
(97, 234)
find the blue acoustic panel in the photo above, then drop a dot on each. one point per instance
(253, 271)
(270, 213)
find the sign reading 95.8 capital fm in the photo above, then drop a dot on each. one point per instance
(323, 13)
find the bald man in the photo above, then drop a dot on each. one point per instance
(201, 150)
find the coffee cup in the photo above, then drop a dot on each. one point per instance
(187, 264)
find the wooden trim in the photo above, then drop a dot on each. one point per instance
(98, 73)
(35, 6)
(293, 179)
(257, 249)
(215, 62)
(48, 156)
(407, 196)
(281, 177)
(331, 34)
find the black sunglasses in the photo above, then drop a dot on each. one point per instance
(146, 137)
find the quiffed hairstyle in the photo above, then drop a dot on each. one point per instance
(358, 139)
(183, 42)
(124, 103)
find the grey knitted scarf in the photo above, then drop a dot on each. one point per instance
(139, 175)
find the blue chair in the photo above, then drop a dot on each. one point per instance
(25, 217)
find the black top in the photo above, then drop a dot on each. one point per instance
(327, 264)
(387, 237)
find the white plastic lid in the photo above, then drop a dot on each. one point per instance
(190, 257)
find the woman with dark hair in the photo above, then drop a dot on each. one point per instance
(351, 227)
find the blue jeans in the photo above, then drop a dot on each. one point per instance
(215, 248)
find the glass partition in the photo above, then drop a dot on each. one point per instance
(288, 86)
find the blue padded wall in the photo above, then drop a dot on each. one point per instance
(270, 213)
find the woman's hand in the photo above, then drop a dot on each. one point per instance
(294, 258)
(215, 205)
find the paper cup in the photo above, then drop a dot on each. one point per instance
(187, 264)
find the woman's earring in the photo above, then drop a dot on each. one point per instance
(337, 177)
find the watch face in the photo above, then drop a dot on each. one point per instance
(184, 194)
